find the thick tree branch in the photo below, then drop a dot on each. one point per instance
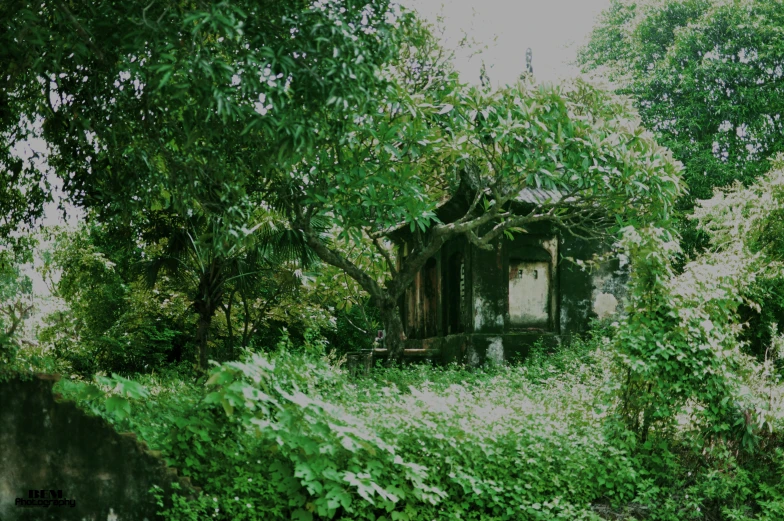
(333, 257)
(17, 313)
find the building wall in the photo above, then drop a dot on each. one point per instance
(501, 299)
(593, 291)
(488, 303)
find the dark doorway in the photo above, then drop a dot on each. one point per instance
(454, 294)
(430, 304)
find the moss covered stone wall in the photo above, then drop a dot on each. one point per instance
(52, 451)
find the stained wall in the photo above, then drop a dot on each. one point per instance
(497, 302)
(51, 445)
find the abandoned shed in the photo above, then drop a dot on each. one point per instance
(473, 305)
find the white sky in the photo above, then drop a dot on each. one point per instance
(553, 29)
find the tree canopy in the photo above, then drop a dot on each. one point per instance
(173, 119)
(706, 77)
(200, 127)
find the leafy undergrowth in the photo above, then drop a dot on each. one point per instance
(285, 436)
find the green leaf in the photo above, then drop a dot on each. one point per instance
(446, 108)
(302, 515)
(118, 406)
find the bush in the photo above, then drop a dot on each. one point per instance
(15, 306)
(471, 448)
(112, 321)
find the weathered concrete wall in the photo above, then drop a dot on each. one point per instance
(529, 293)
(488, 289)
(609, 288)
(595, 292)
(49, 445)
(533, 287)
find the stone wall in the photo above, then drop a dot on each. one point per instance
(51, 449)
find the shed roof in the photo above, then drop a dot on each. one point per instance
(538, 196)
(452, 208)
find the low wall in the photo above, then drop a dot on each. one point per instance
(51, 451)
(475, 349)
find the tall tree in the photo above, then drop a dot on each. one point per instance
(707, 77)
(189, 109)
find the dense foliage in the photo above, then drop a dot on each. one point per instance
(293, 436)
(15, 304)
(360, 449)
(706, 77)
(178, 123)
(110, 319)
(221, 140)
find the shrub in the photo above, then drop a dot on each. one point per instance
(462, 451)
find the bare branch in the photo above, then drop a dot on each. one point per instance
(385, 254)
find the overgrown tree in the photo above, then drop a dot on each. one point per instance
(112, 320)
(214, 274)
(416, 149)
(189, 109)
(681, 343)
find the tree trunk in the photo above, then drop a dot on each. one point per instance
(202, 336)
(210, 295)
(206, 310)
(246, 321)
(229, 329)
(394, 336)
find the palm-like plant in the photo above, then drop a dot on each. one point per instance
(215, 263)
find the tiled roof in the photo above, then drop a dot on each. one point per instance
(448, 210)
(538, 196)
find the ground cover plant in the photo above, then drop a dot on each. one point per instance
(294, 436)
(285, 435)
